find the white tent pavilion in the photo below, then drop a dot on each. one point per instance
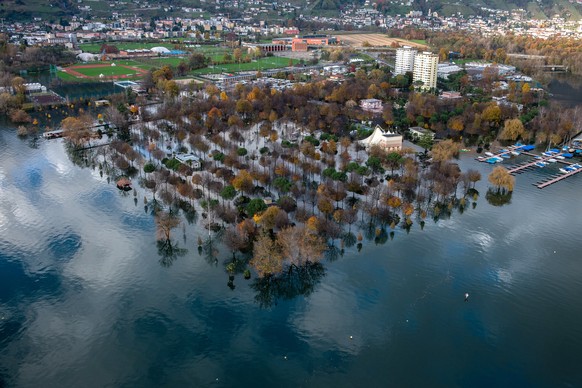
(390, 141)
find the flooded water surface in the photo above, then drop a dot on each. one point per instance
(85, 302)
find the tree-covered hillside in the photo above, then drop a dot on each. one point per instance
(54, 10)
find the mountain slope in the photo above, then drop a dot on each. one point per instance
(53, 10)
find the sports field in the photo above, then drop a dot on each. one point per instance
(103, 70)
(266, 63)
(136, 68)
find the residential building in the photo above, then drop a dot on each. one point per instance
(404, 60)
(450, 95)
(371, 104)
(425, 70)
(417, 132)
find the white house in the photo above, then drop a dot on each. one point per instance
(189, 159)
(371, 104)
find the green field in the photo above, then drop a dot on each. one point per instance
(266, 63)
(66, 76)
(106, 71)
(159, 62)
(208, 49)
(261, 64)
(96, 47)
(419, 41)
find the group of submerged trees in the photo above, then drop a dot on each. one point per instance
(281, 189)
(284, 179)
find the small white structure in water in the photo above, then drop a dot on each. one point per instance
(390, 141)
(189, 159)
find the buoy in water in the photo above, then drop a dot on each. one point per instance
(466, 296)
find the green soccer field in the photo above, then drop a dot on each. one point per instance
(267, 63)
(106, 71)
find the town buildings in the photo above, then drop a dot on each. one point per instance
(371, 104)
(425, 70)
(404, 60)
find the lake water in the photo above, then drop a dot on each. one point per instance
(84, 301)
(566, 89)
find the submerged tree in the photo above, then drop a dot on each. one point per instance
(165, 222)
(502, 179)
(267, 258)
(300, 246)
(498, 198)
(288, 285)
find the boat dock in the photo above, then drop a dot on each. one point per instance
(538, 162)
(527, 165)
(556, 178)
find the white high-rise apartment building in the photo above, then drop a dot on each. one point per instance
(404, 60)
(425, 70)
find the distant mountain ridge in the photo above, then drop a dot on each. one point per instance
(57, 9)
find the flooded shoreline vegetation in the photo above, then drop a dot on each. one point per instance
(254, 165)
(278, 203)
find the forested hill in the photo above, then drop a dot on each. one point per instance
(54, 10)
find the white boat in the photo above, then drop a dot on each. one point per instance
(515, 153)
(489, 153)
(559, 157)
(565, 170)
(541, 164)
(552, 160)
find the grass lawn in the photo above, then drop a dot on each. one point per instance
(66, 76)
(95, 47)
(419, 41)
(209, 50)
(365, 57)
(106, 71)
(125, 63)
(159, 62)
(261, 64)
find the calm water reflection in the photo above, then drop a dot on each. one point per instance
(85, 302)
